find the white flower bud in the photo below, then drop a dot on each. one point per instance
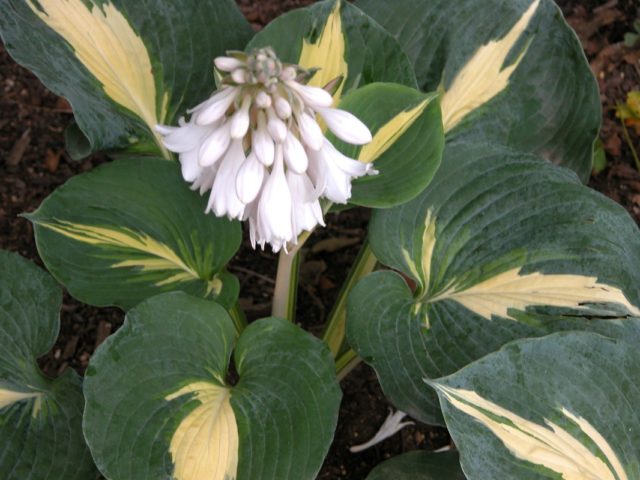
(277, 128)
(249, 179)
(190, 168)
(223, 200)
(228, 64)
(313, 96)
(283, 108)
(346, 126)
(294, 154)
(239, 75)
(310, 131)
(262, 143)
(263, 100)
(239, 123)
(214, 109)
(214, 146)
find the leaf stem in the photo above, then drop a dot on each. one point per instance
(630, 143)
(335, 329)
(238, 317)
(346, 363)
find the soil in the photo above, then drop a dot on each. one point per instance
(33, 162)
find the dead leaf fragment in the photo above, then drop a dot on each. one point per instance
(18, 149)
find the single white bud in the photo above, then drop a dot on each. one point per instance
(283, 108)
(223, 200)
(240, 120)
(346, 126)
(262, 143)
(263, 99)
(249, 179)
(313, 96)
(214, 109)
(228, 64)
(277, 128)
(294, 154)
(310, 131)
(239, 75)
(214, 146)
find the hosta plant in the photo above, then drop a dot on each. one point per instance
(495, 295)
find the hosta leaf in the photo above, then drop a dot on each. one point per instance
(341, 41)
(501, 247)
(159, 404)
(132, 229)
(511, 71)
(124, 65)
(40, 418)
(419, 466)
(407, 142)
(563, 406)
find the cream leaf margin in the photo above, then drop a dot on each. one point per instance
(106, 44)
(549, 445)
(327, 53)
(483, 77)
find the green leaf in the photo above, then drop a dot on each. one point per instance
(124, 65)
(419, 466)
(159, 404)
(407, 142)
(340, 40)
(501, 246)
(40, 418)
(131, 229)
(512, 73)
(563, 406)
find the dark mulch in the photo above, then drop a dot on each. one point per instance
(33, 163)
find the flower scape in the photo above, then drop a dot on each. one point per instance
(256, 143)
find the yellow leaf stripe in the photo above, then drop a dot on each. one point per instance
(327, 53)
(483, 77)
(110, 49)
(515, 290)
(549, 445)
(165, 257)
(9, 397)
(389, 133)
(205, 444)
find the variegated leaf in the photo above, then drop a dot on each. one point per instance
(40, 418)
(160, 405)
(124, 65)
(500, 247)
(132, 229)
(562, 406)
(407, 142)
(510, 71)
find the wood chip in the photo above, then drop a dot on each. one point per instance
(102, 332)
(70, 348)
(18, 149)
(52, 160)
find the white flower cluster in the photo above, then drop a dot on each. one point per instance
(257, 145)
